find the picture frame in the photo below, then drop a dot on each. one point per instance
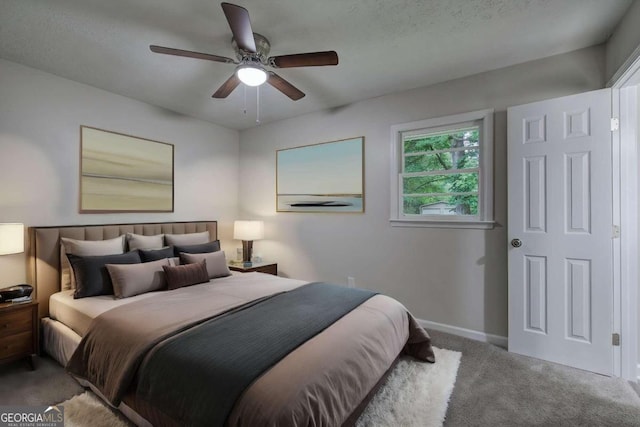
(324, 177)
(123, 173)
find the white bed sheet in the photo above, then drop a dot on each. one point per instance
(77, 314)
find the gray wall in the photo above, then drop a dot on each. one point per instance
(455, 277)
(40, 116)
(624, 40)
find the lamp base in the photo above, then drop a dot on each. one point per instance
(247, 248)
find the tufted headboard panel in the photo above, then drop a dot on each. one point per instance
(44, 248)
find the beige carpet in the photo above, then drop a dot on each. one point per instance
(415, 394)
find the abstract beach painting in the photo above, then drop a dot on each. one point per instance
(325, 177)
(122, 173)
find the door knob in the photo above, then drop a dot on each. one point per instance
(516, 243)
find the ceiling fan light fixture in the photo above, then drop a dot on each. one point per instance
(251, 75)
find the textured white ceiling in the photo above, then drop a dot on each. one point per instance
(384, 46)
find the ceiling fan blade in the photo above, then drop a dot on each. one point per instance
(190, 54)
(238, 18)
(284, 86)
(312, 59)
(227, 87)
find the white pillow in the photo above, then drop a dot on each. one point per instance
(187, 239)
(135, 279)
(215, 261)
(84, 248)
(138, 241)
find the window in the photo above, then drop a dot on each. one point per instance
(442, 172)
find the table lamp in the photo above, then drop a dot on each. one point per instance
(11, 239)
(248, 231)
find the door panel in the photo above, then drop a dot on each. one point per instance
(560, 208)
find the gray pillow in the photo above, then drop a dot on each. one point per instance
(186, 275)
(215, 261)
(138, 241)
(134, 279)
(92, 277)
(187, 239)
(84, 248)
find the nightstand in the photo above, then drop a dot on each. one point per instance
(260, 267)
(18, 331)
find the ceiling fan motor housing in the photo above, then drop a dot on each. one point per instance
(263, 47)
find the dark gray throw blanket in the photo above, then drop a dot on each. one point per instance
(232, 351)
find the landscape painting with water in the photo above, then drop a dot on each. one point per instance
(122, 173)
(326, 177)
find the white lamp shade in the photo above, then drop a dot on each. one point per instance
(248, 230)
(11, 239)
(251, 76)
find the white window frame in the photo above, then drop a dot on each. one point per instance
(484, 219)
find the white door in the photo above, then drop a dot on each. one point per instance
(560, 231)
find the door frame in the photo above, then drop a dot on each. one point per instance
(625, 213)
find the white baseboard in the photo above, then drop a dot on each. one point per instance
(469, 333)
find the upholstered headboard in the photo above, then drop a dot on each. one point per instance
(44, 248)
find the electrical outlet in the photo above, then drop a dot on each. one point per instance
(351, 282)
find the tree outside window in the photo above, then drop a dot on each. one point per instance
(441, 172)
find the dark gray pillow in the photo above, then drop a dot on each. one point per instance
(92, 276)
(197, 249)
(180, 276)
(148, 255)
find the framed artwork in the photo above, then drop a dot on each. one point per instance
(325, 177)
(123, 173)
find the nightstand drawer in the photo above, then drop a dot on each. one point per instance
(15, 321)
(268, 269)
(260, 267)
(16, 345)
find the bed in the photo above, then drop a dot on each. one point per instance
(312, 384)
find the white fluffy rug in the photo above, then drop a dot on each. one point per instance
(415, 394)
(87, 410)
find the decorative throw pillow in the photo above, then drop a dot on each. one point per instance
(134, 279)
(92, 277)
(187, 239)
(84, 248)
(186, 275)
(215, 261)
(197, 249)
(155, 254)
(138, 241)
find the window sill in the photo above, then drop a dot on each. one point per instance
(437, 223)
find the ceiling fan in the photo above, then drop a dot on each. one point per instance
(251, 52)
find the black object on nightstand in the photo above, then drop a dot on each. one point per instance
(260, 267)
(19, 331)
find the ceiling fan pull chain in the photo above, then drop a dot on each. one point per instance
(258, 104)
(245, 98)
